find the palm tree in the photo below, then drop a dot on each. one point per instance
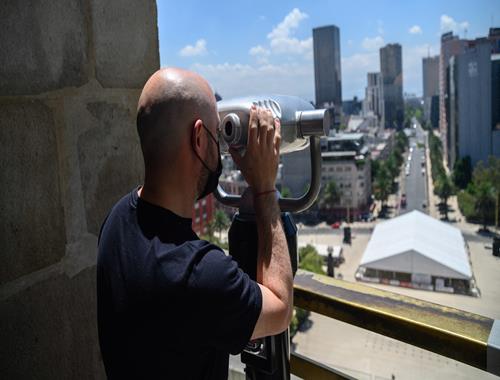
(444, 189)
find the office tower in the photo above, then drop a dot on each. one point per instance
(430, 77)
(391, 70)
(473, 106)
(373, 96)
(450, 45)
(327, 73)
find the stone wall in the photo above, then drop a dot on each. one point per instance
(70, 75)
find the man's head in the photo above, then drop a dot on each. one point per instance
(177, 122)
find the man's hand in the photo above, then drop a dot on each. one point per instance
(259, 164)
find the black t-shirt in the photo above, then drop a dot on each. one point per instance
(170, 306)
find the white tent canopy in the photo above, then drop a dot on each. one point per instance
(417, 243)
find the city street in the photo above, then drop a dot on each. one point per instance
(414, 184)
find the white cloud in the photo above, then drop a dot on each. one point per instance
(286, 78)
(199, 48)
(448, 24)
(289, 23)
(281, 40)
(415, 29)
(261, 53)
(373, 43)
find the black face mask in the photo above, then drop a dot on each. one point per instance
(213, 175)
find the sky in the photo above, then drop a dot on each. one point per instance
(255, 47)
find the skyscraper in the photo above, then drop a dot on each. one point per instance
(373, 95)
(450, 45)
(430, 76)
(391, 70)
(473, 101)
(327, 73)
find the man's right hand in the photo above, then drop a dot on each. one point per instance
(259, 164)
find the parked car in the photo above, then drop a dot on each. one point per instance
(367, 217)
(336, 225)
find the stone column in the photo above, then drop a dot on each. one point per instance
(70, 75)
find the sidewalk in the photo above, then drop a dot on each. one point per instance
(454, 215)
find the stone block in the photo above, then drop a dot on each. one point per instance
(125, 41)
(43, 45)
(32, 232)
(49, 330)
(110, 157)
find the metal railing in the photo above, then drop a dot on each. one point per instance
(466, 337)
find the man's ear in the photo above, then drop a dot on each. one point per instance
(196, 136)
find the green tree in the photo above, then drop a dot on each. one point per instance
(374, 168)
(310, 260)
(392, 166)
(220, 222)
(383, 184)
(485, 201)
(444, 189)
(330, 196)
(462, 172)
(285, 192)
(490, 174)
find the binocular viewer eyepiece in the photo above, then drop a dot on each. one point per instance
(299, 120)
(301, 126)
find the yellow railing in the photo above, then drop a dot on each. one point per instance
(450, 332)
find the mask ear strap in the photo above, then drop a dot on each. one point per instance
(211, 135)
(193, 140)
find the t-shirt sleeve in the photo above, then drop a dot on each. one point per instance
(228, 301)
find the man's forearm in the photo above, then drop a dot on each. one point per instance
(274, 270)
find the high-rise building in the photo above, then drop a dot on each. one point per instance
(391, 70)
(346, 161)
(473, 102)
(450, 45)
(372, 103)
(430, 76)
(327, 73)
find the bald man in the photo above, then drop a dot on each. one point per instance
(172, 306)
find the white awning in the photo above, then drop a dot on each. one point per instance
(417, 243)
